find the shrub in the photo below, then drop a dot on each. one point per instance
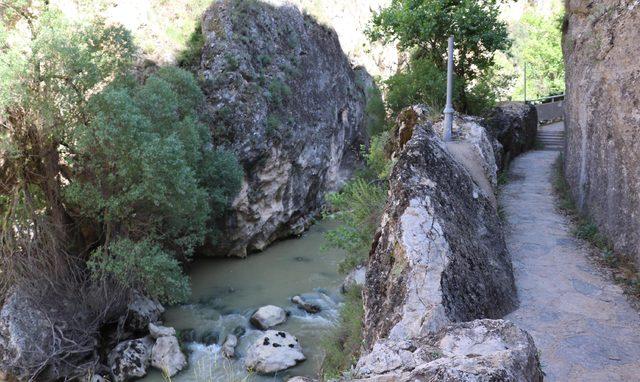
(144, 266)
(189, 57)
(358, 208)
(342, 346)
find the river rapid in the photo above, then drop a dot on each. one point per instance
(227, 291)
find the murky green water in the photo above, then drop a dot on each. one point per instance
(227, 291)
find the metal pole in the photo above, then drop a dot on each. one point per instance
(448, 110)
(525, 82)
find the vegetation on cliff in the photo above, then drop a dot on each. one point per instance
(113, 174)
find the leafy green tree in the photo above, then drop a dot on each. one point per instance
(422, 27)
(96, 165)
(537, 42)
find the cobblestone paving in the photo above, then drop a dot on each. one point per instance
(581, 322)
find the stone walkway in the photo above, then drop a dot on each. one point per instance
(581, 322)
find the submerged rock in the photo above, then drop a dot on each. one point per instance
(268, 316)
(239, 331)
(274, 351)
(130, 359)
(157, 331)
(480, 350)
(210, 337)
(229, 346)
(188, 335)
(282, 95)
(307, 306)
(167, 356)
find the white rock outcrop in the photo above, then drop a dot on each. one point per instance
(167, 356)
(268, 316)
(274, 351)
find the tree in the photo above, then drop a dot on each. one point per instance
(423, 27)
(100, 169)
(537, 42)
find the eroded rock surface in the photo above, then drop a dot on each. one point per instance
(600, 46)
(142, 311)
(274, 351)
(167, 356)
(130, 359)
(22, 329)
(440, 255)
(478, 351)
(515, 126)
(281, 95)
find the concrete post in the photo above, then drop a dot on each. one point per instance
(448, 110)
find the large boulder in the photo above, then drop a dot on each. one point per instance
(439, 256)
(167, 356)
(476, 351)
(274, 351)
(600, 45)
(23, 330)
(142, 311)
(281, 94)
(268, 316)
(157, 331)
(515, 126)
(44, 337)
(130, 359)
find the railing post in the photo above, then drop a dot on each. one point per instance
(448, 110)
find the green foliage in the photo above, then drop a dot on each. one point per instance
(537, 42)
(421, 82)
(142, 265)
(375, 111)
(358, 208)
(378, 165)
(279, 92)
(189, 57)
(422, 27)
(342, 346)
(107, 162)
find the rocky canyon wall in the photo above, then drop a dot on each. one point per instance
(282, 95)
(602, 121)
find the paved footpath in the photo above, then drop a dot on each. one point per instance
(581, 322)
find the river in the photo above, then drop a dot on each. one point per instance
(227, 291)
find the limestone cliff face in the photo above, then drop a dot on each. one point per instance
(600, 45)
(282, 95)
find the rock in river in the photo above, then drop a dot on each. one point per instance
(307, 306)
(229, 346)
(167, 356)
(130, 359)
(268, 316)
(274, 351)
(158, 331)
